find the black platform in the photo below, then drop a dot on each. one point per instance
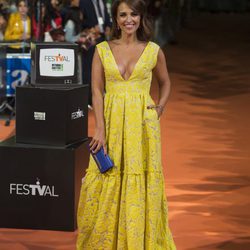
(40, 185)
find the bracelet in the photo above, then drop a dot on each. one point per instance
(161, 107)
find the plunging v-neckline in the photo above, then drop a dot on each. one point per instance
(119, 72)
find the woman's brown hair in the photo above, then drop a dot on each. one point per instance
(144, 32)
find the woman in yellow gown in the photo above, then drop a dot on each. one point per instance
(125, 208)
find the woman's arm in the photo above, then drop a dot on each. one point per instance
(160, 72)
(97, 84)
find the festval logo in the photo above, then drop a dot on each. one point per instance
(56, 58)
(33, 189)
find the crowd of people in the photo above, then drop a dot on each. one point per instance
(84, 21)
(52, 20)
(88, 21)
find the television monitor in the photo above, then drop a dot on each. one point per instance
(55, 64)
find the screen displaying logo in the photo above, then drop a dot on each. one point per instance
(57, 62)
(33, 189)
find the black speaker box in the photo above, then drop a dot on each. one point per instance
(51, 116)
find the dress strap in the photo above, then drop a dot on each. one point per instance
(102, 49)
(153, 51)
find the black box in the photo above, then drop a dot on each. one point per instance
(51, 116)
(40, 185)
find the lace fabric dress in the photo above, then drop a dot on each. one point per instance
(126, 208)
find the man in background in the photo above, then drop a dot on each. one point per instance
(95, 16)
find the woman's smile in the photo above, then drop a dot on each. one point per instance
(129, 25)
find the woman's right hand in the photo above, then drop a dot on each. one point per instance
(98, 141)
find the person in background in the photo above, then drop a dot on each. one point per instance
(3, 23)
(37, 23)
(155, 10)
(65, 5)
(73, 27)
(97, 19)
(96, 15)
(4, 6)
(52, 22)
(73, 22)
(12, 6)
(19, 26)
(109, 4)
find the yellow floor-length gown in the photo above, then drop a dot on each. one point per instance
(126, 207)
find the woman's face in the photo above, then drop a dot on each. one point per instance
(128, 20)
(75, 3)
(22, 8)
(54, 3)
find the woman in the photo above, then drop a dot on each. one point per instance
(73, 22)
(37, 20)
(52, 22)
(18, 27)
(125, 208)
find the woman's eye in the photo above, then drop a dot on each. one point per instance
(134, 14)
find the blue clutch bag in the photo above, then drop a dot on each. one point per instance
(103, 161)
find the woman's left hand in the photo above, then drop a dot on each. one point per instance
(158, 108)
